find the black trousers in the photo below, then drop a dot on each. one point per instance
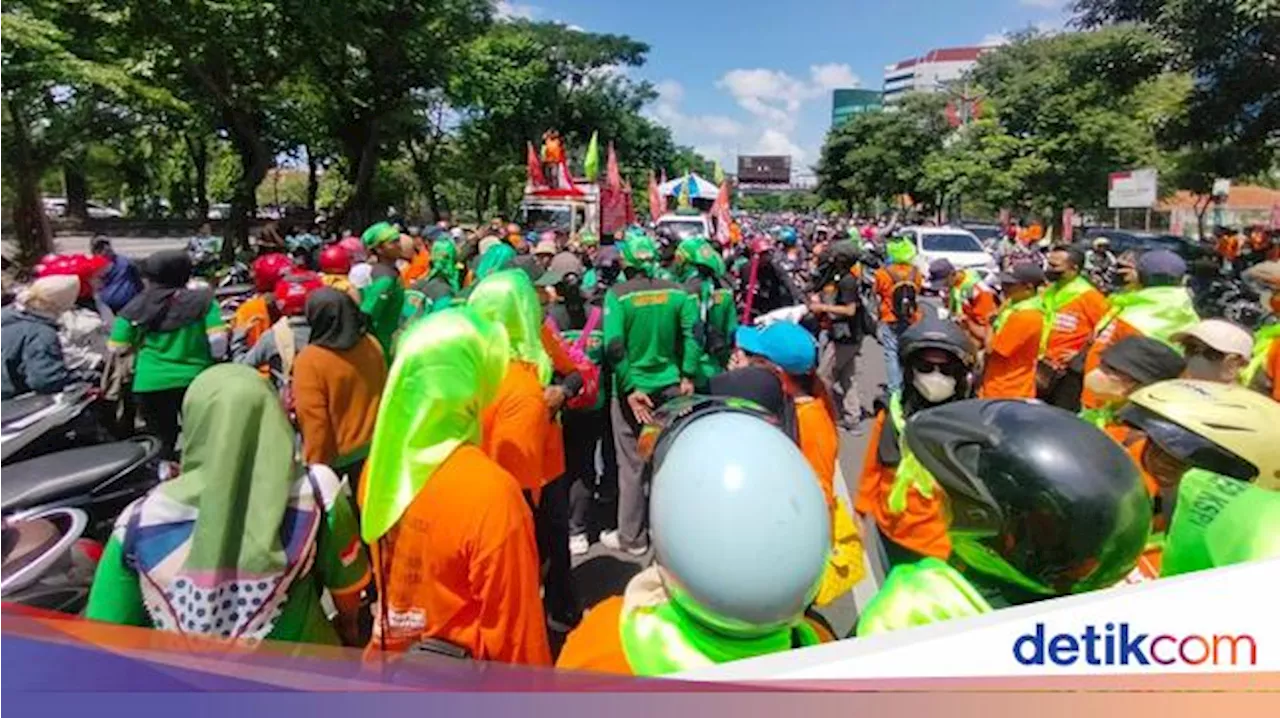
(161, 411)
(582, 434)
(551, 528)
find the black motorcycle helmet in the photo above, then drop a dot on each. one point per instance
(934, 333)
(1040, 503)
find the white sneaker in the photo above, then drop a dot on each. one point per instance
(578, 544)
(610, 541)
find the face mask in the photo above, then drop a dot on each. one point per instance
(1202, 367)
(935, 386)
(1053, 275)
(1103, 385)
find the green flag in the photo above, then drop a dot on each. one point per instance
(592, 164)
(719, 173)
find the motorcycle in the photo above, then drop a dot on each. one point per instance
(99, 480)
(48, 564)
(36, 424)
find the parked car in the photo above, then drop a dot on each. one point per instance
(55, 206)
(684, 225)
(958, 246)
(97, 210)
(220, 210)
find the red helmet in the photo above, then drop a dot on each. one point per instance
(292, 290)
(335, 260)
(85, 267)
(355, 248)
(268, 269)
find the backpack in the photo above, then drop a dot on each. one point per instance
(904, 295)
(284, 338)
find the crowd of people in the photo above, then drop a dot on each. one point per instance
(401, 440)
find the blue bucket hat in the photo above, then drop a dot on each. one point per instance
(786, 344)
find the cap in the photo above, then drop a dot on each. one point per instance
(530, 266)
(1219, 334)
(1102, 242)
(1024, 273)
(788, 345)
(1144, 359)
(562, 265)
(940, 268)
(1160, 264)
(487, 243)
(545, 246)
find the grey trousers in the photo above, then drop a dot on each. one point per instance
(633, 505)
(838, 368)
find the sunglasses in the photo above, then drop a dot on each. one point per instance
(920, 365)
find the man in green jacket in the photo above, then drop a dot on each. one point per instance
(649, 341)
(701, 269)
(383, 299)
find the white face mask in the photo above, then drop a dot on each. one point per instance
(935, 386)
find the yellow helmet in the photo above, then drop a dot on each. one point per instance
(1223, 428)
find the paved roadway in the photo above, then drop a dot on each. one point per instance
(132, 247)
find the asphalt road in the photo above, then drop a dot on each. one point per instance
(132, 247)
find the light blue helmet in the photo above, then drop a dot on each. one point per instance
(787, 235)
(740, 526)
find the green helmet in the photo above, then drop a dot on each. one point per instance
(901, 250)
(698, 251)
(379, 234)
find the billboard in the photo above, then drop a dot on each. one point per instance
(1132, 190)
(847, 103)
(764, 169)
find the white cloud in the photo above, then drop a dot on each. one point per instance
(994, 39)
(776, 97)
(514, 10)
(666, 109)
(834, 76)
(776, 142)
(1045, 4)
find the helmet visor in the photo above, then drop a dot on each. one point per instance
(1186, 445)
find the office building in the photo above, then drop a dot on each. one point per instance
(929, 72)
(847, 103)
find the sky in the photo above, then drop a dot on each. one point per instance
(755, 77)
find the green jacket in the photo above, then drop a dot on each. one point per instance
(383, 302)
(716, 322)
(649, 334)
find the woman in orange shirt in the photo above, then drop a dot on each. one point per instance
(1014, 348)
(451, 536)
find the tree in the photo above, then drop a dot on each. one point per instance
(58, 63)
(1232, 48)
(984, 165)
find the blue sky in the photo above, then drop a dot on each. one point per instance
(755, 77)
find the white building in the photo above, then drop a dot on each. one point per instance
(929, 72)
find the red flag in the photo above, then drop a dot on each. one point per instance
(720, 211)
(612, 176)
(655, 198)
(630, 200)
(534, 168)
(664, 177)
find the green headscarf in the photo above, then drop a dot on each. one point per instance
(900, 250)
(447, 368)
(237, 471)
(698, 252)
(509, 299)
(444, 263)
(380, 233)
(588, 239)
(495, 260)
(640, 252)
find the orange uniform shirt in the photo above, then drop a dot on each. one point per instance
(1011, 361)
(922, 525)
(417, 268)
(819, 442)
(462, 565)
(596, 644)
(1073, 326)
(981, 307)
(516, 429)
(1272, 369)
(1229, 247)
(252, 318)
(886, 280)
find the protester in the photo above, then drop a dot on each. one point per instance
(937, 358)
(718, 592)
(1159, 308)
(335, 266)
(1240, 526)
(442, 284)
(1125, 367)
(495, 256)
(1009, 371)
(1090, 540)
(278, 348)
(1073, 308)
(33, 355)
(1100, 265)
(451, 534)
(837, 307)
(969, 300)
(1216, 350)
(256, 315)
(545, 249)
(650, 343)
(177, 333)
(383, 300)
(701, 269)
(242, 543)
(1263, 372)
(898, 285)
(121, 281)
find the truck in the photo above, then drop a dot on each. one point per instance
(571, 211)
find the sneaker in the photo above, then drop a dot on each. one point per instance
(610, 540)
(578, 544)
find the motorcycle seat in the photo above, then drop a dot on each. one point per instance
(63, 474)
(24, 406)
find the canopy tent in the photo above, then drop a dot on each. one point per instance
(699, 188)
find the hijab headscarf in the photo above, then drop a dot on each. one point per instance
(444, 263)
(165, 304)
(509, 299)
(447, 369)
(220, 546)
(495, 259)
(49, 297)
(335, 320)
